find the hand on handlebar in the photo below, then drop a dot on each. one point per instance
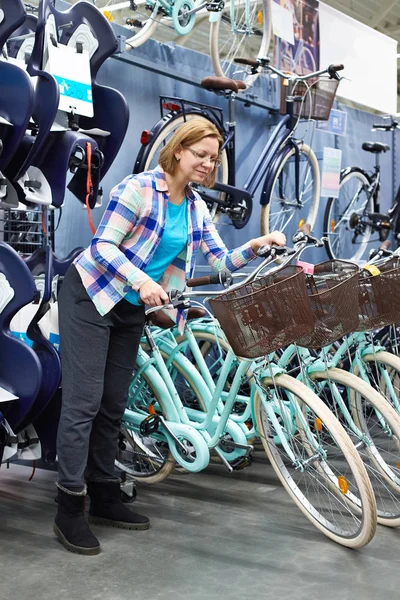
(276, 237)
(152, 294)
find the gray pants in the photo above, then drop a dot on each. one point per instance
(97, 356)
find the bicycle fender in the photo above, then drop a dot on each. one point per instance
(269, 177)
(145, 149)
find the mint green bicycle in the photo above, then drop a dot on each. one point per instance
(375, 438)
(309, 450)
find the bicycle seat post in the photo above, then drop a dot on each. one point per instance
(231, 110)
(377, 163)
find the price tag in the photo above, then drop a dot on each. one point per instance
(308, 267)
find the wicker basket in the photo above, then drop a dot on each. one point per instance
(313, 99)
(333, 292)
(266, 314)
(379, 297)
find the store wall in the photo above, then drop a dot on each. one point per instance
(142, 88)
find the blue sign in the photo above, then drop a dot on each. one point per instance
(337, 123)
(74, 89)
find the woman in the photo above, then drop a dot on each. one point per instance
(145, 245)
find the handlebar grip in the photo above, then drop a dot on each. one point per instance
(335, 68)
(252, 62)
(220, 278)
(385, 245)
(205, 280)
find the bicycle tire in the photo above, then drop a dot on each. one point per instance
(391, 363)
(145, 31)
(131, 460)
(339, 243)
(230, 40)
(359, 486)
(150, 158)
(273, 217)
(379, 460)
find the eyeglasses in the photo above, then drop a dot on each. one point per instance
(215, 162)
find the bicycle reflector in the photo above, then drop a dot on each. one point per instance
(108, 15)
(333, 224)
(145, 137)
(343, 485)
(260, 17)
(318, 424)
(171, 106)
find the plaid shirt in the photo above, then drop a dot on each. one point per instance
(129, 233)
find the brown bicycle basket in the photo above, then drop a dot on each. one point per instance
(313, 99)
(266, 314)
(333, 291)
(379, 297)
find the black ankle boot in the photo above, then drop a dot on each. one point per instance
(70, 525)
(107, 508)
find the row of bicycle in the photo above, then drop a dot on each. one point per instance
(292, 362)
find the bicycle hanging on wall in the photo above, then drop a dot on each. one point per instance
(287, 167)
(241, 28)
(351, 219)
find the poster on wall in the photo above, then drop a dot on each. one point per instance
(301, 56)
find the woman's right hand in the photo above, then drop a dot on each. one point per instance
(152, 294)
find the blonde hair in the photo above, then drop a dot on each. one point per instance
(189, 133)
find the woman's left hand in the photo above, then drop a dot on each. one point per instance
(276, 237)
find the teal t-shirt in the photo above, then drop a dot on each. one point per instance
(173, 241)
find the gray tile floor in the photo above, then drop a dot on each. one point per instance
(213, 536)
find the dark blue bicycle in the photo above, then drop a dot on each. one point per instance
(287, 166)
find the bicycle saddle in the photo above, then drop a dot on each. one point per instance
(223, 84)
(20, 367)
(375, 147)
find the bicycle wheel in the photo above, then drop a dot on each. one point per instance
(383, 370)
(389, 337)
(162, 138)
(144, 457)
(282, 211)
(378, 439)
(241, 30)
(345, 228)
(331, 487)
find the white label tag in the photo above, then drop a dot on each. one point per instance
(330, 181)
(71, 70)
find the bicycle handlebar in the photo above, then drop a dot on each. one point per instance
(302, 239)
(255, 63)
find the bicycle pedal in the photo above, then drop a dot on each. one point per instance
(241, 463)
(215, 6)
(150, 424)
